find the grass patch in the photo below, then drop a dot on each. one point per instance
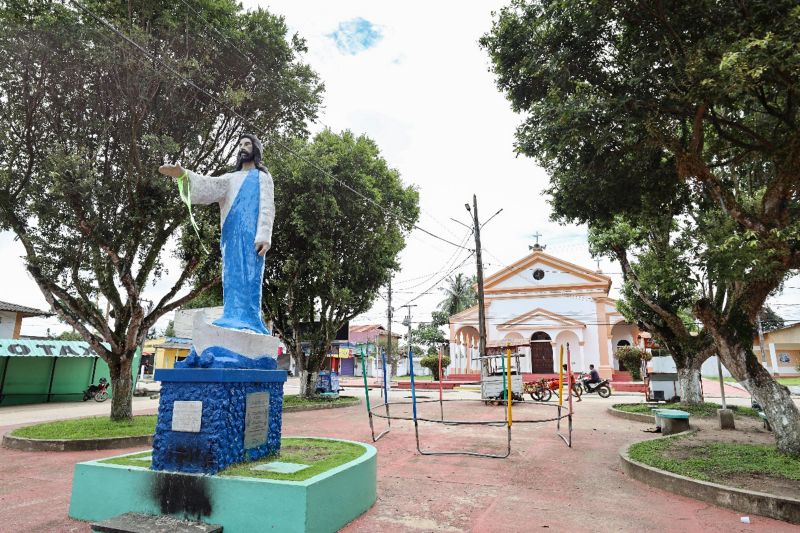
(321, 455)
(726, 380)
(429, 377)
(703, 410)
(296, 399)
(89, 428)
(131, 460)
(715, 460)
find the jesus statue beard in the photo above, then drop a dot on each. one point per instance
(244, 157)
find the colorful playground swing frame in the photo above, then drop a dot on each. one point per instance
(508, 420)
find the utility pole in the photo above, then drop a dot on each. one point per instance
(389, 328)
(476, 227)
(761, 338)
(407, 322)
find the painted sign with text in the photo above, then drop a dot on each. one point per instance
(44, 348)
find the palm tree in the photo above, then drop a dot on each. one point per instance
(460, 294)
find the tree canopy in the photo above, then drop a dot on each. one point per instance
(690, 108)
(331, 249)
(459, 293)
(87, 119)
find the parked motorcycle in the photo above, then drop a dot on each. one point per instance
(99, 392)
(602, 388)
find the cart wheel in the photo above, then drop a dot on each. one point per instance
(546, 395)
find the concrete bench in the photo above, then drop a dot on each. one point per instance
(763, 417)
(671, 420)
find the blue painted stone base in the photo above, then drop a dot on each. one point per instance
(320, 504)
(220, 441)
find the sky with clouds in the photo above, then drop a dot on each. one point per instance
(411, 76)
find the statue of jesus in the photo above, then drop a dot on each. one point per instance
(247, 211)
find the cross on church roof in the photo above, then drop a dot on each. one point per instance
(537, 246)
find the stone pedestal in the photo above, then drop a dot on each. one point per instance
(210, 418)
(726, 419)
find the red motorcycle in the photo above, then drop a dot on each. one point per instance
(99, 391)
(552, 384)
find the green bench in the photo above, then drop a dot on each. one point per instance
(671, 420)
(763, 417)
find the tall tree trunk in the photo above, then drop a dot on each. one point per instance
(308, 383)
(121, 389)
(689, 384)
(736, 350)
(777, 404)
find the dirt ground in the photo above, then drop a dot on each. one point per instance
(748, 431)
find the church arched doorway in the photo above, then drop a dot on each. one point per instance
(541, 353)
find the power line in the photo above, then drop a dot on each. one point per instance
(455, 256)
(277, 141)
(440, 279)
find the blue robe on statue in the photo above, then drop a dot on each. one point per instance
(247, 213)
(242, 267)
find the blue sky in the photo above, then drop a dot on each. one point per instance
(356, 35)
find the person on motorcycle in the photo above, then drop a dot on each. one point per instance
(594, 377)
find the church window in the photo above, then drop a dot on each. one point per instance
(538, 274)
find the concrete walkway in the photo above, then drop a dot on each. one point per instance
(543, 485)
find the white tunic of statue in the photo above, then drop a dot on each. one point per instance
(247, 212)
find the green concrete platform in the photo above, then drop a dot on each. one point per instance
(322, 503)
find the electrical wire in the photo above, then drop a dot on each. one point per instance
(439, 280)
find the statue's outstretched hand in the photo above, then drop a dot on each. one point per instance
(262, 248)
(171, 170)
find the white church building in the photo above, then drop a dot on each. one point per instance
(538, 304)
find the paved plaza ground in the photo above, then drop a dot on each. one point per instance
(543, 485)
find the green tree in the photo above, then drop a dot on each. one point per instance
(331, 249)
(69, 336)
(431, 362)
(170, 330)
(611, 88)
(659, 286)
(416, 350)
(429, 335)
(771, 320)
(87, 119)
(460, 294)
(391, 362)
